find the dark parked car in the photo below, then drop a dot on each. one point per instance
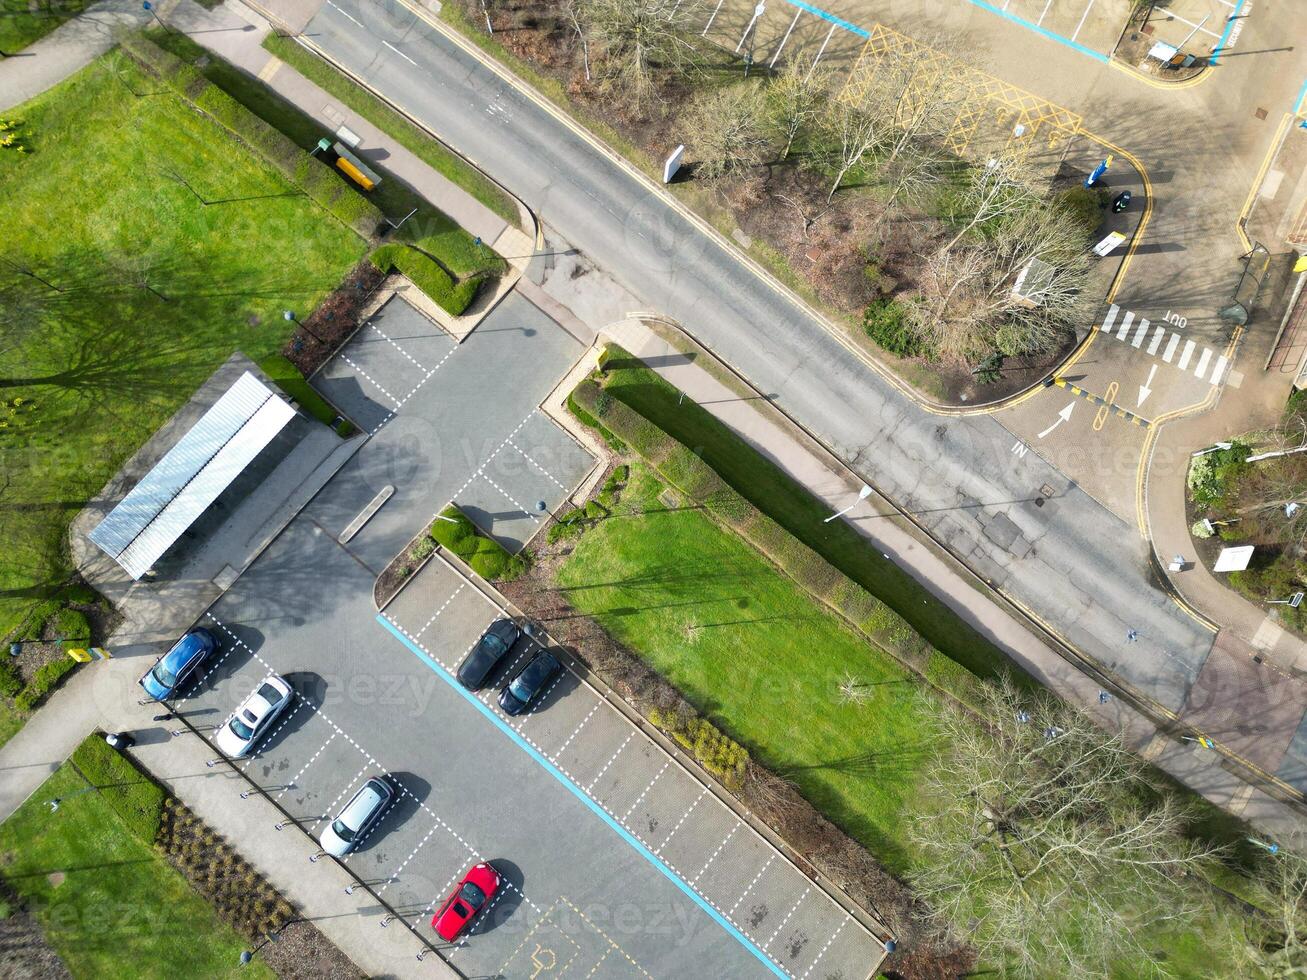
(171, 670)
(530, 681)
(495, 642)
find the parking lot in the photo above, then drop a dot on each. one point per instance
(617, 862)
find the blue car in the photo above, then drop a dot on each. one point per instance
(171, 670)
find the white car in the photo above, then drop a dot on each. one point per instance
(254, 718)
(358, 817)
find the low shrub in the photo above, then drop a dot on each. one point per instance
(131, 793)
(720, 755)
(885, 321)
(1213, 474)
(46, 679)
(10, 681)
(70, 624)
(425, 273)
(486, 556)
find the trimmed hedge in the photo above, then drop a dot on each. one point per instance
(425, 273)
(289, 379)
(367, 105)
(308, 173)
(680, 467)
(46, 679)
(488, 557)
(130, 792)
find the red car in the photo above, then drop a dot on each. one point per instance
(470, 896)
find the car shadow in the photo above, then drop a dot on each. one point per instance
(297, 713)
(557, 689)
(410, 790)
(510, 897)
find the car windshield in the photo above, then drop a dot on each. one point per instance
(342, 831)
(241, 729)
(493, 645)
(527, 681)
(163, 675)
(472, 895)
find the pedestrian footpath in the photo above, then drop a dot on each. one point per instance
(703, 378)
(69, 48)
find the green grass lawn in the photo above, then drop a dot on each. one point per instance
(788, 503)
(429, 228)
(122, 291)
(22, 21)
(381, 114)
(108, 903)
(755, 654)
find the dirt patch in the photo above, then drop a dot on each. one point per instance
(403, 565)
(334, 321)
(24, 952)
(1139, 37)
(302, 952)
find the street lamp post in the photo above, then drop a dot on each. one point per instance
(289, 317)
(1293, 602)
(146, 5)
(1214, 448)
(863, 494)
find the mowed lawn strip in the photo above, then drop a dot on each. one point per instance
(131, 291)
(759, 658)
(772, 491)
(439, 157)
(108, 903)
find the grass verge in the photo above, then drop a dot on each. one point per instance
(106, 900)
(430, 150)
(785, 501)
(129, 291)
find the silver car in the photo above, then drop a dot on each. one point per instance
(357, 817)
(254, 718)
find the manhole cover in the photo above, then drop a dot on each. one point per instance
(1260, 113)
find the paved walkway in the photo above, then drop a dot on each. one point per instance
(103, 695)
(235, 32)
(65, 50)
(717, 389)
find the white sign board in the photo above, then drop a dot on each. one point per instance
(1233, 559)
(1104, 247)
(1162, 51)
(673, 164)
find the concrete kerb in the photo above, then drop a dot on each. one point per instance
(1163, 720)
(527, 220)
(726, 244)
(287, 820)
(687, 763)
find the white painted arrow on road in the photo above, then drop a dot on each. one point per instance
(1062, 416)
(1146, 388)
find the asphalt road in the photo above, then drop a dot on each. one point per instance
(1070, 561)
(619, 863)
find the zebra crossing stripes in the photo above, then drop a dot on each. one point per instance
(1132, 330)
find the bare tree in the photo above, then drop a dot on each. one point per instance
(1275, 935)
(795, 99)
(728, 130)
(994, 190)
(636, 38)
(853, 130)
(1043, 842)
(969, 306)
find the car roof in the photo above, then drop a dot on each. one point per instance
(374, 792)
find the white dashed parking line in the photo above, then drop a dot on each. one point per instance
(330, 738)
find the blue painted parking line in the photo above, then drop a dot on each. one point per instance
(576, 791)
(1043, 31)
(838, 22)
(1225, 35)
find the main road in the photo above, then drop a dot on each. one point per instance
(1016, 520)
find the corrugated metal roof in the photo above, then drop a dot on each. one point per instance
(192, 474)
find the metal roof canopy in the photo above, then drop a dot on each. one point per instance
(192, 475)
